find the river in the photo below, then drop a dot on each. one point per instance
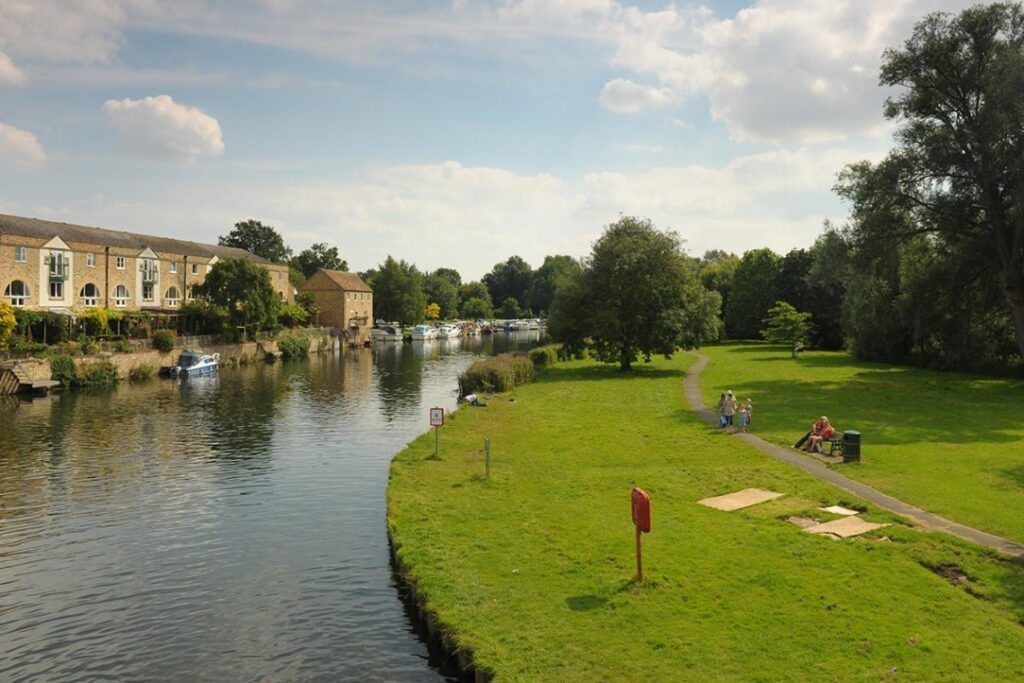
(229, 528)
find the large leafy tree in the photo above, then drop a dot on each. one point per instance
(638, 295)
(442, 291)
(451, 275)
(717, 268)
(510, 278)
(398, 292)
(257, 238)
(478, 308)
(473, 290)
(755, 287)
(555, 271)
(957, 172)
(786, 325)
(244, 289)
(317, 256)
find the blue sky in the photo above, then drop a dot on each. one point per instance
(449, 133)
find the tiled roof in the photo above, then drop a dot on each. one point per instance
(350, 282)
(34, 227)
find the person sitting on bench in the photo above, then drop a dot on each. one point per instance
(820, 432)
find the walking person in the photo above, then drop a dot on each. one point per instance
(729, 411)
(746, 415)
(721, 413)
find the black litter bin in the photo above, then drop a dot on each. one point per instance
(851, 445)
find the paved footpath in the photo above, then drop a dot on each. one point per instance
(816, 468)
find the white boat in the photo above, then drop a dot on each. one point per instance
(447, 331)
(534, 324)
(423, 333)
(387, 333)
(195, 363)
(520, 326)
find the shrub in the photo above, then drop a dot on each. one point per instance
(123, 346)
(500, 373)
(163, 340)
(97, 374)
(544, 356)
(8, 322)
(88, 344)
(293, 347)
(62, 369)
(20, 345)
(141, 372)
(292, 315)
(95, 321)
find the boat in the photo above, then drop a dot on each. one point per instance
(423, 333)
(195, 363)
(387, 333)
(447, 331)
(533, 324)
(519, 326)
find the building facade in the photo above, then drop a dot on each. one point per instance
(46, 265)
(343, 301)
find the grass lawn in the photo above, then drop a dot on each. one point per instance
(532, 569)
(950, 443)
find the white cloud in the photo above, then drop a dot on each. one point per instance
(159, 127)
(20, 146)
(623, 96)
(10, 74)
(59, 31)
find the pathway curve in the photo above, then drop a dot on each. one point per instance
(691, 389)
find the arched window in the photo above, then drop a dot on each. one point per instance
(90, 294)
(121, 296)
(173, 297)
(17, 293)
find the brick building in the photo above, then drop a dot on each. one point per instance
(47, 265)
(344, 301)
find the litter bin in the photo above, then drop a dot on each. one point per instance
(851, 445)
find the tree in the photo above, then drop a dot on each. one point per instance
(509, 309)
(754, 290)
(638, 295)
(473, 290)
(257, 238)
(717, 269)
(510, 278)
(451, 275)
(478, 308)
(318, 256)
(308, 301)
(7, 322)
(432, 312)
(956, 172)
(244, 289)
(441, 291)
(398, 292)
(555, 271)
(786, 325)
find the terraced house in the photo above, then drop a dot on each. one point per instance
(61, 267)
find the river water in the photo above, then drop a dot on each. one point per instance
(225, 529)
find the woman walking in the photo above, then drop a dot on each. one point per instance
(728, 411)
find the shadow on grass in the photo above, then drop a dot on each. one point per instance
(585, 603)
(602, 373)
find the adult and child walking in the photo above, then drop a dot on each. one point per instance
(729, 408)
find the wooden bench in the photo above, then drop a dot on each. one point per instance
(835, 444)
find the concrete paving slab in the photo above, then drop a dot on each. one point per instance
(840, 510)
(802, 522)
(845, 527)
(740, 499)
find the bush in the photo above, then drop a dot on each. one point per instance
(544, 356)
(20, 345)
(88, 345)
(123, 346)
(163, 340)
(500, 373)
(8, 322)
(95, 321)
(98, 374)
(292, 315)
(142, 372)
(62, 369)
(293, 347)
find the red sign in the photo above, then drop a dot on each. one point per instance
(641, 509)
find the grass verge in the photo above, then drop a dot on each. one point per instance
(532, 569)
(949, 443)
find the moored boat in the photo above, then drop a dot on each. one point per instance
(423, 333)
(195, 363)
(386, 333)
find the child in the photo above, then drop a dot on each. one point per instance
(747, 415)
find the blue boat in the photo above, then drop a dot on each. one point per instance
(195, 363)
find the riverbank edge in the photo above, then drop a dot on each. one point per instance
(438, 633)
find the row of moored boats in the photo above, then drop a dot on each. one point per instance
(393, 332)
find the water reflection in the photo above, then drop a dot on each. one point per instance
(224, 528)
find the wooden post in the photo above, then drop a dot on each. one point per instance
(437, 441)
(639, 557)
(487, 456)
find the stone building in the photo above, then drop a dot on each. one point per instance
(58, 266)
(343, 301)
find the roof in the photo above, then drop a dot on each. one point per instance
(350, 282)
(34, 227)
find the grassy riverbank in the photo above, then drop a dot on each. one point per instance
(950, 443)
(532, 570)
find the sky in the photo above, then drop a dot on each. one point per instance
(450, 134)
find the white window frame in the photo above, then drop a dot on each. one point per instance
(90, 301)
(121, 301)
(120, 263)
(152, 292)
(172, 301)
(18, 300)
(174, 266)
(90, 259)
(20, 254)
(195, 269)
(56, 286)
